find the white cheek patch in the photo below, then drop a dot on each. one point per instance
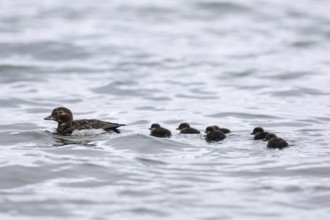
(87, 132)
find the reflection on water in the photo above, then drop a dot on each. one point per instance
(61, 140)
(235, 64)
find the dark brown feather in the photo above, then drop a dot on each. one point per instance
(69, 127)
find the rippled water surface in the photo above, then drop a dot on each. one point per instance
(238, 64)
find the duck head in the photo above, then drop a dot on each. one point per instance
(257, 129)
(154, 125)
(209, 129)
(183, 125)
(61, 115)
(269, 136)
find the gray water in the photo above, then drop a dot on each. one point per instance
(238, 64)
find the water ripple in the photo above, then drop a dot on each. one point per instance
(236, 64)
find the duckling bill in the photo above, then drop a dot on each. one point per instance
(66, 125)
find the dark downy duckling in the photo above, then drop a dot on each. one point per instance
(213, 135)
(274, 142)
(223, 130)
(66, 125)
(186, 129)
(157, 131)
(259, 133)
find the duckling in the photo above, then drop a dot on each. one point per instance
(275, 142)
(186, 129)
(213, 135)
(157, 131)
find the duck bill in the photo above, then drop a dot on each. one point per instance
(252, 133)
(177, 128)
(50, 118)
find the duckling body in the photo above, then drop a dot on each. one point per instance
(157, 131)
(275, 142)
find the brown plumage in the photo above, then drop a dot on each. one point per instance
(66, 124)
